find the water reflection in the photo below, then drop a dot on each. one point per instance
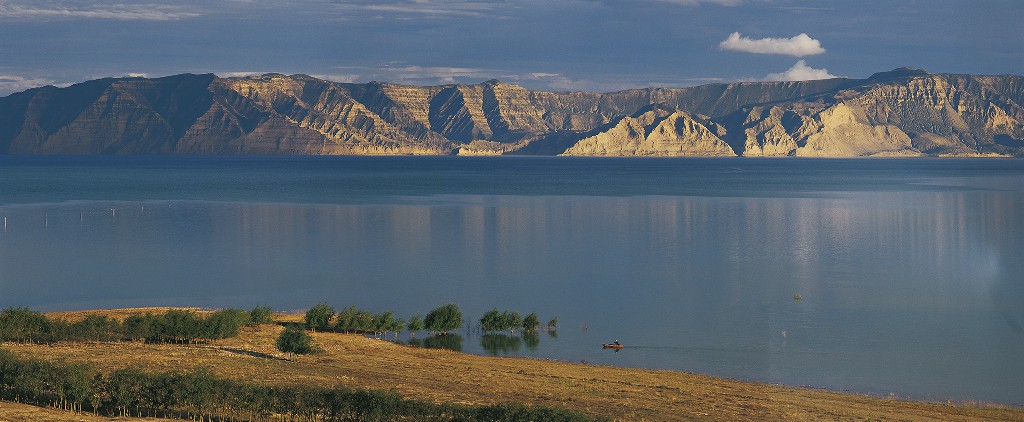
(442, 341)
(531, 340)
(894, 284)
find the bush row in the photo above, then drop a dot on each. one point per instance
(174, 326)
(322, 317)
(201, 394)
(442, 319)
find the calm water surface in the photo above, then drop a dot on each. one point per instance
(911, 271)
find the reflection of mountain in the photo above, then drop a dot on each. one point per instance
(902, 112)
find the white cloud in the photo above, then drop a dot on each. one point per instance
(426, 8)
(128, 12)
(800, 72)
(346, 79)
(241, 74)
(15, 83)
(698, 2)
(419, 75)
(799, 46)
(442, 9)
(415, 75)
(441, 72)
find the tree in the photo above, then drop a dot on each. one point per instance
(397, 326)
(24, 324)
(295, 340)
(491, 321)
(510, 320)
(383, 322)
(346, 319)
(77, 383)
(176, 325)
(95, 328)
(319, 317)
(138, 327)
(261, 315)
(363, 321)
(444, 318)
(415, 324)
(531, 322)
(225, 323)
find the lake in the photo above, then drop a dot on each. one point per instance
(910, 272)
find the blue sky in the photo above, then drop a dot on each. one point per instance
(593, 45)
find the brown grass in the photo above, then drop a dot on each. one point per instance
(443, 376)
(17, 412)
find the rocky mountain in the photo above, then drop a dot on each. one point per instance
(657, 130)
(901, 112)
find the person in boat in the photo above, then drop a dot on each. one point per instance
(616, 342)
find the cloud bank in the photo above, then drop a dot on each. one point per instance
(124, 12)
(15, 83)
(799, 46)
(800, 72)
(698, 2)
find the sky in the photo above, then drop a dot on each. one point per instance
(559, 45)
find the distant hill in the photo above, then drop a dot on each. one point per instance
(904, 112)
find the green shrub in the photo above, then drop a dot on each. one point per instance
(444, 318)
(261, 315)
(319, 317)
(295, 340)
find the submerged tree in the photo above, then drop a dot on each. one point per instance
(510, 320)
(553, 324)
(491, 321)
(531, 322)
(444, 319)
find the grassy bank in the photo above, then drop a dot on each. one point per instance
(448, 377)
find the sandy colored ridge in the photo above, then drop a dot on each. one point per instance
(444, 376)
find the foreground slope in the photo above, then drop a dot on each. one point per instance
(444, 376)
(902, 112)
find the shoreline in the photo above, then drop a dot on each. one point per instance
(296, 316)
(441, 376)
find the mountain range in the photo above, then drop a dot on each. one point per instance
(904, 112)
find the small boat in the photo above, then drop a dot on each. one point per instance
(612, 345)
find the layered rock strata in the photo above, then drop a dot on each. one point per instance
(902, 112)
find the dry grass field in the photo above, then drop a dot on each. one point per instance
(444, 376)
(17, 412)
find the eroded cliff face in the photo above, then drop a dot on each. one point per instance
(660, 131)
(902, 112)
